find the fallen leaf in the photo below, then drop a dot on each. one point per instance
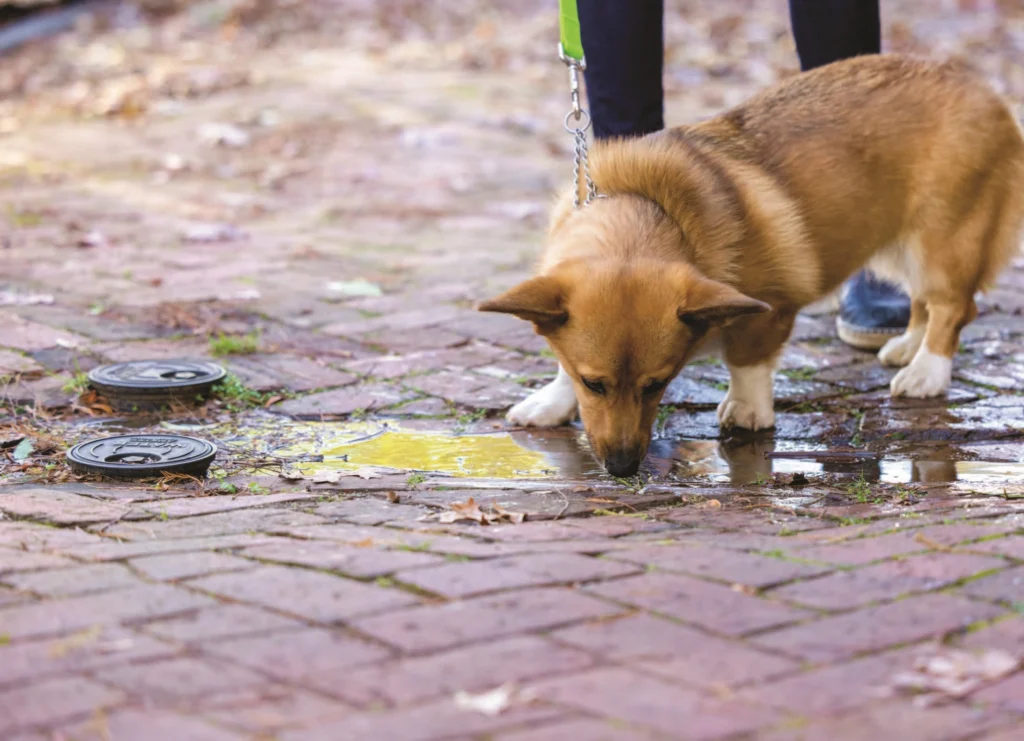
(712, 504)
(954, 674)
(75, 642)
(468, 510)
(514, 517)
(365, 543)
(392, 497)
(929, 543)
(358, 287)
(333, 477)
(272, 400)
(209, 233)
(23, 451)
(492, 703)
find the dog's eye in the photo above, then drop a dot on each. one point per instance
(653, 387)
(596, 386)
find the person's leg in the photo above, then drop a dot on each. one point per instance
(624, 47)
(872, 311)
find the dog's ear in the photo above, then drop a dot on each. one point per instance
(710, 303)
(539, 300)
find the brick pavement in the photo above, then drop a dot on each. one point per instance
(718, 596)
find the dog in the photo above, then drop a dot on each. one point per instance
(711, 237)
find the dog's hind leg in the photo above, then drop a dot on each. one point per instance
(931, 371)
(551, 406)
(899, 351)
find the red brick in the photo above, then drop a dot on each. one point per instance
(886, 580)
(179, 678)
(894, 720)
(150, 724)
(576, 730)
(113, 550)
(12, 561)
(1007, 694)
(1005, 586)
(484, 618)
(726, 565)
(675, 651)
(492, 575)
(692, 600)
(432, 722)
(1007, 635)
(23, 661)
(308, 594)
(273, 708)
(1010, 733)
(833, 688)
(53, 617)
(358, 562)
(75, 580)
(222, 621)
(299, 656)
(873, 628)
(58, 506)
(1011, 546)
(651, 703)
(473, 669)
(187, 565)
(53, 702)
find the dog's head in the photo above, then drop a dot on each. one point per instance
(622, 324)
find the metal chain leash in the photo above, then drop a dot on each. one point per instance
(578, 128)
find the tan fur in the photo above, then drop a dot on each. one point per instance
(912, 167)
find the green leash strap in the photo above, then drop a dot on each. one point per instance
(569, 29)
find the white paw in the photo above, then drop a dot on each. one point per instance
(553, 405)
(927, 375)
(901, 350)
(745, 414)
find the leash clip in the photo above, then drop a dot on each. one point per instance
(578, 130)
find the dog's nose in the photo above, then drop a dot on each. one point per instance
(622, 463)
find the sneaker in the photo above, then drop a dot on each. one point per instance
(871, 312)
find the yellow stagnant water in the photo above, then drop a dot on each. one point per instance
(351, 446)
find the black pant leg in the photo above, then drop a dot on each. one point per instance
(623, 41)
(829, 30)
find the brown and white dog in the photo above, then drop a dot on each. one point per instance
(714, 236)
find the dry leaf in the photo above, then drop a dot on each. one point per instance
(470, 510)
(365, 543)
(712, 504)
(493, 702)
(954, 674)
(514, 517)
(392, 497)
(929, 543)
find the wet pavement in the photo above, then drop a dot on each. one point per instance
(316, 202)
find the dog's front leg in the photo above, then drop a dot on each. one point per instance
(551, 406)
(749, 402)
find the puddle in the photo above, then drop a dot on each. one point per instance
(561, 453)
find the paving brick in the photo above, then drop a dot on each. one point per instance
(75, 580)
(1007, 634)
(223, 621)
(108, 550)
(435, 721)
(53, 617)
(52, 702)
(22, 334)
(674, 651)
(180, 678)
(250, 522)
(712, 606)
(187, 565)
(301, 656)
(1008, 733)
(192, 506)
(893, 720)
(1005, 586)
(309, 594)
(874, 628)
(343, 401)
(58, 507)
(655, 704)
(435, 627)
(886, 580)
(472, 669)
(151, 724)
(835, 688)
(273, 708)
(590, 730)
(289, 371)
(89, 649)
(12, 561)
(478, 577)
(357, 562)
(13, 363)
(1011, 546)
(1006, 694)
(732, 566)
